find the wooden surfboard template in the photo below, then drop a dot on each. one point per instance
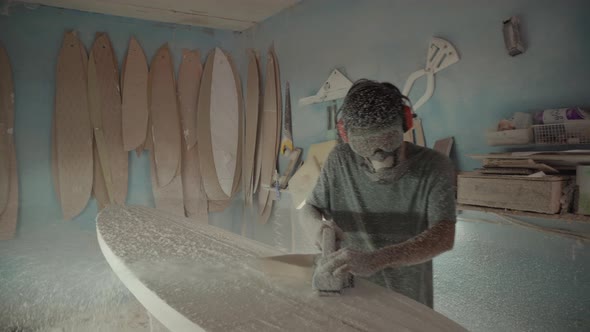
(218, 123)
(189, 80)
(221, 205)
(134, 86)
(279, 102)
(6, 126)
(195, 198)
(5, 150)
(167, 262)
(106, 88)
(169, 197)
(165, 118)
(73, 132)
(9, 218)
(238, 167)
(102, 180)
(252, 128)
(224, 121)
(270, 137)
(8, 166)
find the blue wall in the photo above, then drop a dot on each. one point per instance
(499, 277)
(388, 39)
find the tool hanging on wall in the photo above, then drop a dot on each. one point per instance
(287, 143)
(441, 54)
(334, 88)
(332, 111)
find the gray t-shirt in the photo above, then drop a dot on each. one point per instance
(375, 215)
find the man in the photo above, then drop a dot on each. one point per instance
(391, 203)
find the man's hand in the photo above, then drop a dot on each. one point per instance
(359, 263)
(337, 230)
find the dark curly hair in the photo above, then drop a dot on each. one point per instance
(372, 104)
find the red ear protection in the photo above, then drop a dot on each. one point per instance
(408, 123)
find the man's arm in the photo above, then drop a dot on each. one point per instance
(422, 248)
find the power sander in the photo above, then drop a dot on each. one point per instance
(324, 282)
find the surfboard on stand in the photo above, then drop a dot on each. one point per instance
(8, 165)
(109, 104)
(189, 78)
(167, 262)
(73, 132)
(218, 128)
(250, 165)
(134, 79)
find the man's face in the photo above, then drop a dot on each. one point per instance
(376, 144)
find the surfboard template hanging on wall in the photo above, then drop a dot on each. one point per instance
(73, 133)
(134, 79)
(8, 165)
(219, 127)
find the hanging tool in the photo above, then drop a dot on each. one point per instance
(332, 111)
(287, 142)
(335, 87)
(441, 54)
(294, 161)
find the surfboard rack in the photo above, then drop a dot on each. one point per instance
(335, 87)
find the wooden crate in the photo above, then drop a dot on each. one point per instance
(512, 191)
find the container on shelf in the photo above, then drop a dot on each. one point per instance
(572, 132)
(535, 194)
(509, 137)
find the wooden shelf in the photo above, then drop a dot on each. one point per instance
(566, 217)
(541, 147)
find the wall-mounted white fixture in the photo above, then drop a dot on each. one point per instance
(512, 36)
(441, 54)
(335, 87)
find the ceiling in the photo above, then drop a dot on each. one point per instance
(236, 15)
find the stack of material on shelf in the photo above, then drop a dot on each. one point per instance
(550, 162)
(523, 181)
(514, 167)
(549, 127)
